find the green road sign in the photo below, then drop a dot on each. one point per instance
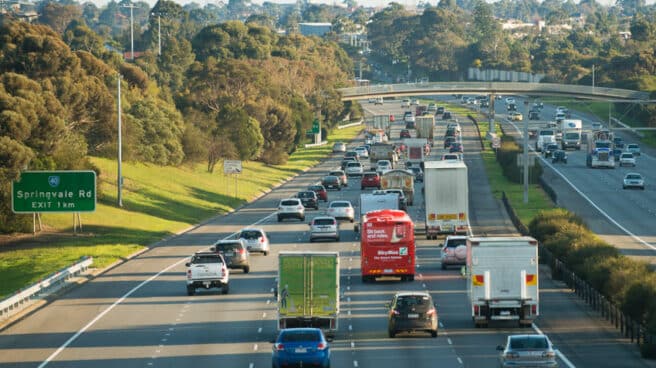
(316, 127)
(54, 191)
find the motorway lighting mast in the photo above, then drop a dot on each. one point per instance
(131, 29)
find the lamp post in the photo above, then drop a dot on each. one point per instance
(131, 30)
(119, 178)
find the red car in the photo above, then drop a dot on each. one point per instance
(370, 180)
(405, 133)
(321, 191)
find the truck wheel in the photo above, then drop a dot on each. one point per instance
(225, 289)
(246, 269)
(434, 333)
(391, 333)
(411, 278)
(279, 218)
(191, 290)
(443, 266)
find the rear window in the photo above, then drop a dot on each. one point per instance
(529, 343)
(324, 221)
(298, 336)
(306, 195)
(206, 259)
(316, 187)
(337, 173)
(452, 243)
(227, 246)
(250, 234)
(340, 204)
(370, 175)
(410, 301)
(289, 202)
(353, 164)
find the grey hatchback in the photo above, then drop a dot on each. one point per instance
(527, 351)
(234, 252)
(412, 311)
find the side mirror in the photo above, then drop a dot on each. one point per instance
(188, 264)
(387, 305)
(500, 348)
(212, 249)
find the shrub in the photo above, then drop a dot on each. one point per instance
(588, 251)
(567, 238)
(547, 223)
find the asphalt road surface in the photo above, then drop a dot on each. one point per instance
(138, 314)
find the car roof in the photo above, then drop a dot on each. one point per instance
(412, 293)
(341, 201)
(290, 199)
(323, 218)
(456, 237)
(632, 173)
(252, 229)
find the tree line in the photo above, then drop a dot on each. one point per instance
(229, 90)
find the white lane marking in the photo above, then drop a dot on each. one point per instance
(268, 301)
(349, 312)
(558, 353)
(441, 325)
(122, 299)
(348, 299)
(255, 347)
(150, 363)
(259, 330)
(459, 360)
(264, 315)
(423, 285)
(607, 216)
(251, 365)
(272, 290)
(348, 288)
(164, 340)
(355, 363)
(352, 345)
(350, 327)
(449, 341)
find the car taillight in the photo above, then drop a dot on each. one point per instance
(299, 207)
(534, 309)
(189, 274)
(549, 354)
(322, 346)
(511, 355)
(241, 251)
(279, 346)
(476, 309)
(394, 312)
(431, 312)
(261, 239)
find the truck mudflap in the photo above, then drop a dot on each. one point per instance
(504, 310)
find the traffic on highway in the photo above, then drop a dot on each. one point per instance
(392, 252)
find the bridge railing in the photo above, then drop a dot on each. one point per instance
(547, 89)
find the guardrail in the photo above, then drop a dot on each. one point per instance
(350, 124)
(315, 144)
(55, 281)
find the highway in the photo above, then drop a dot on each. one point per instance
(621, 217)
(138, 314)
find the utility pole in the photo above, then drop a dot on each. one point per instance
(525, 120)
(119, 178)
(131, 30)
(593, 77)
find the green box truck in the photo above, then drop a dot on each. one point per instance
(308, 290)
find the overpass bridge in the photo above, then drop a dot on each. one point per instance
(494, 88)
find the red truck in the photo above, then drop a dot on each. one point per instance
(387, 245)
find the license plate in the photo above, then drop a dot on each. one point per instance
(413, 315)
(300, 350)
(505, 313)
(207, 284)
(228, 254)
(387, 270)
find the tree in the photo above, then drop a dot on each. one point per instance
(641, 29)
(242, 130)
(58, 16)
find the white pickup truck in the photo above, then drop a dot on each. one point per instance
(207, 270)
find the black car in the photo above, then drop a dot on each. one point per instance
(446, 115)
(549, 149)
(412, 311)
(440, 110)
(419, 175)
(533, 115)
(450, 132)
(331, 181)
(559, 156)
(448, 141)
(410, 125)
(309, 199)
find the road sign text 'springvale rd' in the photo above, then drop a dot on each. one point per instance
(54, 191)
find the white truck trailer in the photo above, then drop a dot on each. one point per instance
(424, 125)
(446, 198)
(415, 150)
(571, 130)
(378, 200)
(503, 279)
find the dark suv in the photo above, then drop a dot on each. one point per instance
(309, 199)
(234, 252)
(412, 311)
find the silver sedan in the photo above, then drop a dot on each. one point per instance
(256, 240)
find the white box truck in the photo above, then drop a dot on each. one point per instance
(503, 279)
(446, 198)
(378, 200)
(415, 150)
(571, 129)
(308, 290)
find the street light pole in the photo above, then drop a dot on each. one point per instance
(525, 119)
(119, 178)
(131, 30)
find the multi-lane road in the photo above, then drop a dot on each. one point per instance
(138, 314)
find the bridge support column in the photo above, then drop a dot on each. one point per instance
(492, 129)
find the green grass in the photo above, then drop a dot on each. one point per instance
(157, 202)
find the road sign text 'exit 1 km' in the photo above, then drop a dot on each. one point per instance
(54, 191)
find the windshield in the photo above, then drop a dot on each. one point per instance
(340, 204)
(547, 132)
(324, 221)
(250, 234)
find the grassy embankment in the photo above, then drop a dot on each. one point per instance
(157, 202)
(537, 198)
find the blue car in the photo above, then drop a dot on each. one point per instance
(306, 347)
